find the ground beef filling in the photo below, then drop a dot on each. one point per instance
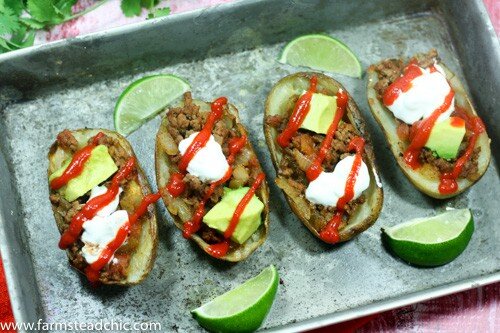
(388, 71)
(117, 269)
(299, 154)
(187, 119)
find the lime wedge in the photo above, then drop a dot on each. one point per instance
(321, 52)
(242, 309)
(144, 99)
(431, 241)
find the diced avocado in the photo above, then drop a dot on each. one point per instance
(321, 112)
(220, 215)
(446, 137)
(99, 167)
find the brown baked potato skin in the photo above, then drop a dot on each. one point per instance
(426, 179)
(366, 215)
(142, 260)
(164, 168)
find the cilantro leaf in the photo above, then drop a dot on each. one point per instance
(159, 12)
(9, 22)
(4, 46)
(50, 11)
(63, 7)
(16, 6)
(41, 10)
(149, 4)
(131, 7)
(31, 23)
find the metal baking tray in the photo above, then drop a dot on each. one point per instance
(231, 50)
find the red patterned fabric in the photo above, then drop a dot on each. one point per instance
(6, 315)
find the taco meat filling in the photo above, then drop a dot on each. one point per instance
(116, 269)
(188, 119)
(298, 156)
(391, 69)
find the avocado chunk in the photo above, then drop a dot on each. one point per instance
(99, 167)
(220, 215)
(446, 137)
(321, 112)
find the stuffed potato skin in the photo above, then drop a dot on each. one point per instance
(426, 179)
(279, 102)
(166, 149)
(142, 259)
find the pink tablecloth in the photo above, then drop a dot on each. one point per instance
(471, 311)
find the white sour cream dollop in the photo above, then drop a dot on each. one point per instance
(209, 164)
(329, 187)
(427, 93)
(102, 228)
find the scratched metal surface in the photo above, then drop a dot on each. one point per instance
(318, 280)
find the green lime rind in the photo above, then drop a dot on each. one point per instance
(433, 252)
(242, 309)
(321, 52)
(143, 99)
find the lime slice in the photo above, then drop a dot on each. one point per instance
(242, 309)
(321, 52)
(431, 241)
(144, 99)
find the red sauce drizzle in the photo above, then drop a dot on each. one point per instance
(202, 137)
(412, 153)
(448, 182)
(315, 168)
(457, 122)
(94, 205)
(192, 226)
(176, 185)
(76, 165)
(92, 271)
(220, 249)
(401, 84)
(299, 113)
(330, 232)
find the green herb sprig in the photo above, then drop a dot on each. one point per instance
(20, 19)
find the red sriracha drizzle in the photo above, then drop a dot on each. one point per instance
(315, 168)
(76, 165)
(176, 185)
(92, 271)
(220, 249)
(94, 205)
(299, 114)
(330, 233)
(401, 84)
(448, 182)
(423, 132)
(192, 226)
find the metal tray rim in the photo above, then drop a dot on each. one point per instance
(380, 306)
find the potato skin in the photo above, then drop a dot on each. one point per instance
(366, 215)
(164, 169)
(426, 182)
(143, 259)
